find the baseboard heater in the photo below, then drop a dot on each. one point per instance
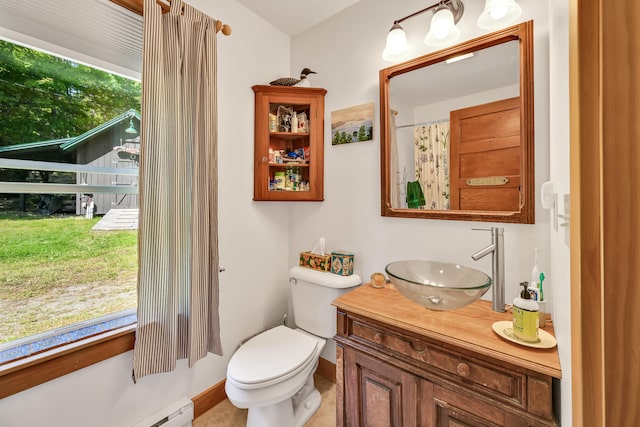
(178, 414)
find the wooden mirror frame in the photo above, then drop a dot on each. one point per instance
(526, 215)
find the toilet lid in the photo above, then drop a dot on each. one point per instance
(271, 354)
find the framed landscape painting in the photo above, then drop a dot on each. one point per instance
(353, 124)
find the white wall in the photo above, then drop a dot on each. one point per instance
(559, 174)
(254, 246)
(345, 51)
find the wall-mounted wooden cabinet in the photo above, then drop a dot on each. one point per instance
(289, 143)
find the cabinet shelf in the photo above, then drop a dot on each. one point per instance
(274, 108)
(285, 165)
(289, 135)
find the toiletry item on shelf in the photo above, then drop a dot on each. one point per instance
(525, 316)
(542, 303)
(273, 123)
(535, 271)
(303, 125)
(294, 122)
(542, 313)
(288, 184)
(279, 178)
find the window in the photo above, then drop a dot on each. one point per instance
(69, 149)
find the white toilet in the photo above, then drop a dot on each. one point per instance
(272, 373)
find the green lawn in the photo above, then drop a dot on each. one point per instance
(55, 271)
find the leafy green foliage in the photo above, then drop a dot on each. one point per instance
(44, 97)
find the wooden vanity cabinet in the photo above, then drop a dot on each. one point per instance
(282, 177)
(391, 375)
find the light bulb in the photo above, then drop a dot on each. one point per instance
(498, 12)
(441, 22)
(396, 40)
(397, 47)
(443, 29)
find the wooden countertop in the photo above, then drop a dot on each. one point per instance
(468, 327)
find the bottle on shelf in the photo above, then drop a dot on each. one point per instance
(288, 185)
(298, 176)
(525, 315)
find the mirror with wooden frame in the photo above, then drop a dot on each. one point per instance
(457, 131)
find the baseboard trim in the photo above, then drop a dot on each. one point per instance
(216, 394)
(326, 370)
(208, 399)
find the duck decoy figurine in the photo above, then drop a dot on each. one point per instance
(290, 81)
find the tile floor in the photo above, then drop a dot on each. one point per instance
(224, 414)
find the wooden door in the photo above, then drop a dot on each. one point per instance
(604, 226)
(381, 395)
(485, 150)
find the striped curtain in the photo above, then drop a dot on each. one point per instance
(432, 164)
(178, 244)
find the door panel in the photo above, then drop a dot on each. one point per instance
(485, 143)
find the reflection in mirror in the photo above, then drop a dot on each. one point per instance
(457, 131)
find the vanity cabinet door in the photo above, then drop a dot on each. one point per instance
(456, 409)
(380, 395)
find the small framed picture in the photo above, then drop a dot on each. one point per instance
(353, 124)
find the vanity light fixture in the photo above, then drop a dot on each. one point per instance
(443, 30)
(498, 13)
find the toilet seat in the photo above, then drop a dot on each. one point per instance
(271, 357)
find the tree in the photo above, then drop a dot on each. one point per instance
(363, 134)
(44, 97)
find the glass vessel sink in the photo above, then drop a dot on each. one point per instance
(438, 285)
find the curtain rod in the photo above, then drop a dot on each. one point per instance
(429, 123)
(136, 6)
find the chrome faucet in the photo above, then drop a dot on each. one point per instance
(496, 248)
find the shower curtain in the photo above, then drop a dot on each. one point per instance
(431, 157)
(396, 179)
(178, 241)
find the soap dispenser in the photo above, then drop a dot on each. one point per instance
(525, 316)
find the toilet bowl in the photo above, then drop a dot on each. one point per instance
(272, 376)
(272, 373)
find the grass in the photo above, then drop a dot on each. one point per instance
(56, 271)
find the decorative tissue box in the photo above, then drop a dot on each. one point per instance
(342, 263)
(315, 261)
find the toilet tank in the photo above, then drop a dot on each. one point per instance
(312, 293)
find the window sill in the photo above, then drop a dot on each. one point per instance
(37, 369)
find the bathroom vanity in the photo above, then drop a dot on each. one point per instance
(400, 364)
